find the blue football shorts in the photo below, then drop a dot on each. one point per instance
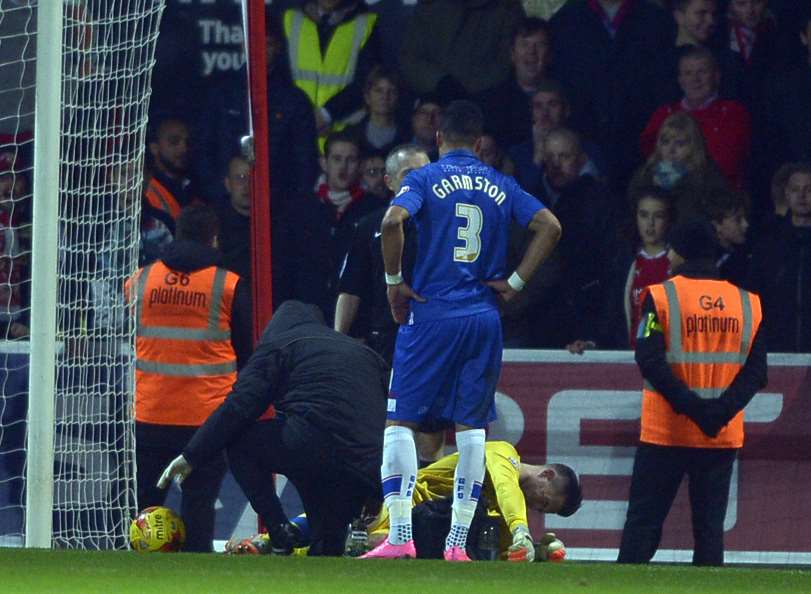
(447, 369)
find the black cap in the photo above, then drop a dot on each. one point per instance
(694, 239)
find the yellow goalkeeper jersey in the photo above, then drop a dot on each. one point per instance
(504, 496)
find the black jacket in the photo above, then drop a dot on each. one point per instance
(781, 274)
(293, 151)
(190, 256)
(307, 370)
(711, 415)
(363, 275)
(614, 83)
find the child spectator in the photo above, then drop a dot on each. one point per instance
(727, 213)
(680, 164)
(642, 262)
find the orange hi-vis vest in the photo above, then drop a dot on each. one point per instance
(185, 363)
(709, 326)
(161, 198)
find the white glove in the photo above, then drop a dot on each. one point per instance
(551, 548)
(522, 548)
(178, 469)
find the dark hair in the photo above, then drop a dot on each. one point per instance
(573, 494)
(548, 85)
(378, 73)
(197, 223)
(723, 203)
(461, 122)
(158, 122)
(341, 136)
(794, 168)
(635, 196)
(697, 52)
(372, 155)
(679, 4)
(531, 25)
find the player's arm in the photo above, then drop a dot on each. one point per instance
(392, 241)
(509, 496)
(511, 505)
(546, 231)
(355, 278)
(346, 310)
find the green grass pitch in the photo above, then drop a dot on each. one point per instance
(32, 572)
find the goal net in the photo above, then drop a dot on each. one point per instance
(92, 177)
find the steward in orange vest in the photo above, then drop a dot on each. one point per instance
(169, 188)
(702, 354)
(193, 328)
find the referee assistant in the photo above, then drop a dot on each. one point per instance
(701, 352)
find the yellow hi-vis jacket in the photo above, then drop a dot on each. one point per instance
(321, 78)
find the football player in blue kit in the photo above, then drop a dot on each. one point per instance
(447, 357)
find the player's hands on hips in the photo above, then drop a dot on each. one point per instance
(522, 548)
(179, 468)
(503, 290)
(400, 296)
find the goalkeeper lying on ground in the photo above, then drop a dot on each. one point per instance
(510, 487)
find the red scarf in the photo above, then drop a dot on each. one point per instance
(742, 40)
(355, 195)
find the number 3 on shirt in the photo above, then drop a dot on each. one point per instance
(469, 233)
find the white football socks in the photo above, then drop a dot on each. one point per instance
(467, 481)
(399, 473)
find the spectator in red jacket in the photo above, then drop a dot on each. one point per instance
(725, 124)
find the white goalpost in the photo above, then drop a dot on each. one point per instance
(45, 228)
(67, 467)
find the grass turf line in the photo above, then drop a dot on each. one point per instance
(34, 571)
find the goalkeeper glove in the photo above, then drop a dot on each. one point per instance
(522, 548)
(258, 544)
(551, 548)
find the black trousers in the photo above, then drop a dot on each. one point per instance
(657, 474)
(331, 492)
(155, 447)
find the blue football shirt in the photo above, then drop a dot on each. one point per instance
(462, 211)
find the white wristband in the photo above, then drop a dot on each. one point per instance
(394, 279)
(516, 282)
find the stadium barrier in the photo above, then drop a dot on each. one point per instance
(584, 412)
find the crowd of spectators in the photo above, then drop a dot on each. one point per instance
(622, 116)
